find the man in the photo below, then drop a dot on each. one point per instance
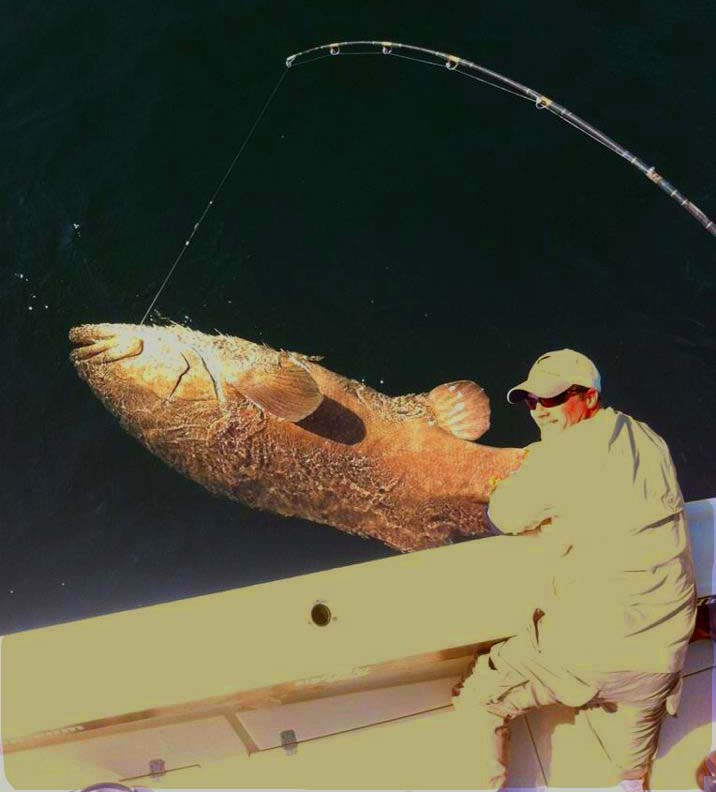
(611, 631)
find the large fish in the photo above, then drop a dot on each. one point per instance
(277, 431)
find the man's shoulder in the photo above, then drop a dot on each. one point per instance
(637, 430)
(610, 423)
(647, 456)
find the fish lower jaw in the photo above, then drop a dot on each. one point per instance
(109, 349)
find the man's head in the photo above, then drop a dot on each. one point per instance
(562, 389)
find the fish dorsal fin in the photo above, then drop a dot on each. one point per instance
(461, 408)
(285, 390)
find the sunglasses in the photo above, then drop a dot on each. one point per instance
(552, 401)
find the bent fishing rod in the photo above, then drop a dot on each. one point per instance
(468, 69)
(496, 80)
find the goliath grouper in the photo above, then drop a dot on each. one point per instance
(277, 431)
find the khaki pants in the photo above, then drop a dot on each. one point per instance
(624, 709)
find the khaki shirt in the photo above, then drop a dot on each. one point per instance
(621, 594)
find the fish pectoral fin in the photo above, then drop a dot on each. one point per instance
(461, 408)
(287, 390)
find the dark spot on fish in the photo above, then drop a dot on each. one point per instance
(334, 422)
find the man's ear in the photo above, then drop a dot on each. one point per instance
(592, 397)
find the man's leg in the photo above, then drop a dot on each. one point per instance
(495, 693)
(628, 723)
(486, 735)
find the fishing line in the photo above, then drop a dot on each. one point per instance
(216, 192)
(596, 139)
(494, 85)
(457, 69)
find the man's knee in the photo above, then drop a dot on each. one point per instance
(491, 688)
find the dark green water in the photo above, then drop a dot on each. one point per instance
(409, 224)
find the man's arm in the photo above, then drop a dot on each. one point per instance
(524, 500)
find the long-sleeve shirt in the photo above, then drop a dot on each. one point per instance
(621, 596)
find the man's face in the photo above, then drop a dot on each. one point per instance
(554, 420)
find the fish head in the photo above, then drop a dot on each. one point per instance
(171, 388)
(175, 388)
(127, 363)
(167, 385)
(134, 367)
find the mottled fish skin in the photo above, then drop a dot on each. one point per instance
(361, 461)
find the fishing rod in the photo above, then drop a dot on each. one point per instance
(496, 80)
(468, 69)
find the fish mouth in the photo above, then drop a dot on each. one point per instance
(99, 345)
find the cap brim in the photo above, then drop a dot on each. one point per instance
(540, 386)
(516, 394)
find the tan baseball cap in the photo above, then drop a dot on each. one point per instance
(554, 372)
